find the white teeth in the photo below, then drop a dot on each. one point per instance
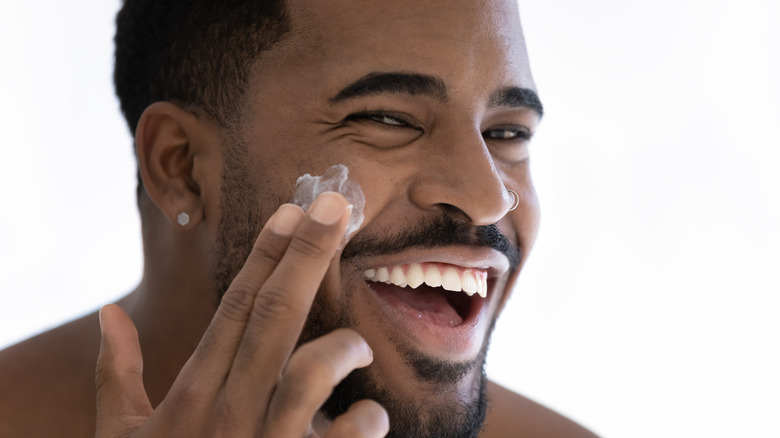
(397, 276)
(481, 287)
(451, 280)
(469, 281)
(415, 276)
(382, 275)
(433, 276)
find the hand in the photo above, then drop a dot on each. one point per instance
(244, 379)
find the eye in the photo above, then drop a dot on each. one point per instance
(508, 143)
(385, 118)
(382, 129)
(508, 133)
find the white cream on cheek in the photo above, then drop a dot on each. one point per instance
(335, 179)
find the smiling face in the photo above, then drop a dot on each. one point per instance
(430, 106)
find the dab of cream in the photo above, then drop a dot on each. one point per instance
(335, 179)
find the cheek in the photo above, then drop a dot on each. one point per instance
(378, 181)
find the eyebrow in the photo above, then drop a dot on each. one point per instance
(393, 83)
(518, 98)
(416, 84)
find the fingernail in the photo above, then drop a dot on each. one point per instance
(286, 219)
(328, 208)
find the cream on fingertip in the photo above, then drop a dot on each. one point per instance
(335, 179)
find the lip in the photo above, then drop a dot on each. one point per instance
(459, 342)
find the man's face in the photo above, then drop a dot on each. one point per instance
(427, 105)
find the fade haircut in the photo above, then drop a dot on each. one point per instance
(195, 53)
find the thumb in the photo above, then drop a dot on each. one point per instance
(122, 403)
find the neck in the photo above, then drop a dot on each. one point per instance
(172, 306)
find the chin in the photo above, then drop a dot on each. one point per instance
(417, 410)
(427, 388)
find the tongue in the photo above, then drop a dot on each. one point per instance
(425, 303)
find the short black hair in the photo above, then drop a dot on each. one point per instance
(196, 53)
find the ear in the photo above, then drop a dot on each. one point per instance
(168, 141)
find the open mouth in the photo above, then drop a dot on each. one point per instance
(442, 294)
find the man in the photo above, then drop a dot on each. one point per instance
(253, 318)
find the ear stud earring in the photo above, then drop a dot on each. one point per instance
(183, 219)
(517, 199)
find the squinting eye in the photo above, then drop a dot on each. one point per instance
(507, 134)
(383, 129)
(387, 120)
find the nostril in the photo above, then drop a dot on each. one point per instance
(455, 212)
(481, 199)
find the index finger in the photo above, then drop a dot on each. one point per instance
(282, 305)
(214, 355)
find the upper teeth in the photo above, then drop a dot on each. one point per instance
(452, 278)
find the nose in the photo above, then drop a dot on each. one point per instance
(458, 174)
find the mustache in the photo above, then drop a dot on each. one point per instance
(437, 232)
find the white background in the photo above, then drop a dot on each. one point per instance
(649, 306)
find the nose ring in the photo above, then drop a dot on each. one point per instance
(517, 199)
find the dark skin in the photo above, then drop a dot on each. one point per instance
(48, 388)
(236, 369)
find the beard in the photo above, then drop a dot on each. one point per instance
(446, 413)
(416, 419)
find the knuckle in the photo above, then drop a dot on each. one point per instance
(273, 302)
(347, 428)
(308, 379)
(345, 347)
(312, 366)
(237, 302)
(266, 254)
(348, 341)
(307, 245)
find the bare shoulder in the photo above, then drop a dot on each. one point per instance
(512, 415)
(47, 382)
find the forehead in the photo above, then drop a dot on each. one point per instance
(467, 43)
